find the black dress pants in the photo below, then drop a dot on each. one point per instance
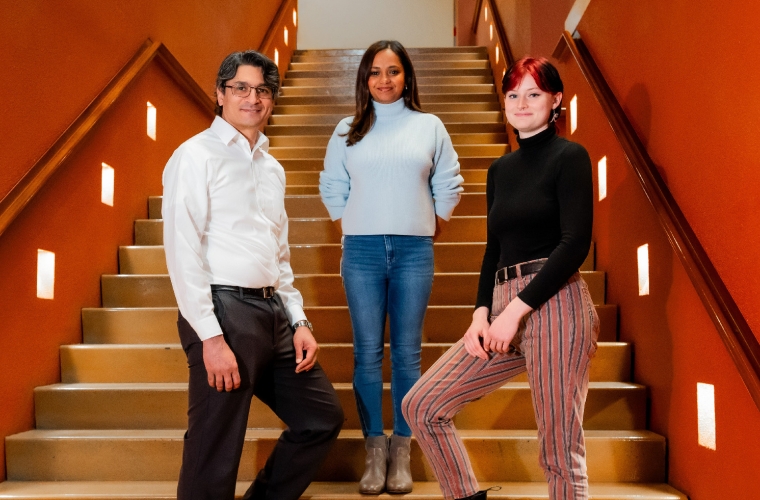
(258, 332)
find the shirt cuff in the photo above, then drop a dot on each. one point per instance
(207, 327)
(444, 209)
(295, 313)
(335, 212)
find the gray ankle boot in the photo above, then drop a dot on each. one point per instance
(399, 475)
(375, 466)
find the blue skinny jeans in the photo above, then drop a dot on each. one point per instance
(386, 275)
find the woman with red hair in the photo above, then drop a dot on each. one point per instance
(533, 311)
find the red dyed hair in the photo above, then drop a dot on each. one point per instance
(543, 72)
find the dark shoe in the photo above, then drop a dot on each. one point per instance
(399, 474)
(375, 466)
(481, 495)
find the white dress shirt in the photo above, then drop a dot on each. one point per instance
(225, 223)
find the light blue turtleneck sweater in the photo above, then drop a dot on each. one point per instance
(395, 180)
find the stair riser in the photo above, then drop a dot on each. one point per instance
(505, 408)
(416, 59)
(348, 109)
(494, 459)
(332, 119)
(449, 258)
(319, 259)
(436, 73)
(332, 324)
(412, 51)
(353, 65)
(318, 153)
(348, 99)
(422, 89)
(273, 131)
(347, 80)
(302, 190)
(164, 364)
(471, 176)
(294, 141)
(317, 290)
(322, 230)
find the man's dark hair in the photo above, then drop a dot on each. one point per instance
(232, 62)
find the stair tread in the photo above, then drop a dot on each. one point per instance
(319, 490)
(171, 434)
(182, 386)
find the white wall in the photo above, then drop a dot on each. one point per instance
(356, 24)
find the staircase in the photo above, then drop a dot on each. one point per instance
(113, 428)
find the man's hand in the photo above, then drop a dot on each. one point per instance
(478, 329)
(440, 224)
(303, 340)
(504, 327)
(221, 365)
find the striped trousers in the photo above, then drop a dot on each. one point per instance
(558, 340)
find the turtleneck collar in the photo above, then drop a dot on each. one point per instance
(539, 139)
(389, 111)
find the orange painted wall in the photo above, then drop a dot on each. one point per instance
(55, 60)
(57, 56)
(675, 343)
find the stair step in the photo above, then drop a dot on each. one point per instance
(346, 79)
(155, 455)
(155, 290)
(158, 325)
(313, 231)
(420, 57)
(162, 363)
(318, 153)
(332, 119)
(322, 140)
(353, 65)
(273, 131)
(317, 164)
(320, 259)
(167, 490)
(348, 99)
(292, 189)
(610, 406)
(437, 73)
(348, 108)
(422, 89)
(412, 51)
(311, 178)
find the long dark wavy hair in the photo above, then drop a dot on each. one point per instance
(364, 116)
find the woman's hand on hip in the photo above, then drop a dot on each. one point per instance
(504, 327)
(477, 330)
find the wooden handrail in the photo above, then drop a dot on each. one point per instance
(501, 33)
(733, 328)
(29, 185)
(272, 30)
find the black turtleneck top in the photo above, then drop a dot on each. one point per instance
(540, 205)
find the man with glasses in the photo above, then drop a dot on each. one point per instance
(241, 321)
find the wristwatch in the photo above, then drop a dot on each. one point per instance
(303, 322)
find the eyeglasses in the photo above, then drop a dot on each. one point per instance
(244, 90)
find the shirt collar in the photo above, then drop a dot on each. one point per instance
(229, 135)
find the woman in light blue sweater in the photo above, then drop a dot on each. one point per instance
(391, 179)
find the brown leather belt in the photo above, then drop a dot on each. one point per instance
(512, 272)
(264, 293)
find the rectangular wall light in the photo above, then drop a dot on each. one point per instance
(106, 189)
(151, 121)
(45, 274)
(491, 32)
(285, 34)
(573, 114)
(276, 57)
(295, 18)
(602, 176)
(643, 261)
(706, 415)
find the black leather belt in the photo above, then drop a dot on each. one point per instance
(512, 272)
(265, 293)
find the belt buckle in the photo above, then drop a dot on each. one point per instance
(268, 292)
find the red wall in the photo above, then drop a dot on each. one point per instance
(55, 61)
(666, 62)
(72, 49)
